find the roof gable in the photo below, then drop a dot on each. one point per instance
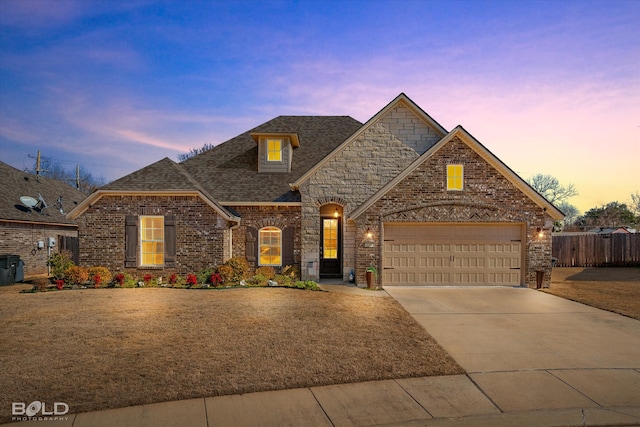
(482, 151)
(401, 101)
(164, 177)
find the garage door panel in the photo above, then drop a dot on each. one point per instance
(452, 254)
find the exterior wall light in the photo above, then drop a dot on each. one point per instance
(540, 232)
(369, 233)
(336, 214)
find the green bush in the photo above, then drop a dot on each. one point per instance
(60, 262)
(259, 280)
(204, 275)
(283, 280)
(309, 284)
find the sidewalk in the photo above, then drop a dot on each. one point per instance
(428, 401)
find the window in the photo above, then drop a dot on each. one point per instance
(152, 240)
(330, 238)
(274, 150)
(270, 246)
(454, 177)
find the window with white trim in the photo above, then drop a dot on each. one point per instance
(152, 241)
(270, 246)
(274, 150)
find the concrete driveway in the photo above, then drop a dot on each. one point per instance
(527, 350)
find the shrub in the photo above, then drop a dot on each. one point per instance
(266, 271)
(174, 278)
(215, 279)
(283, 280)
(59, 284)
(99, 275)
(240, 268)
(40, 284)
(192, 280)
(147, 278)
(226, 273)
(259, 280)
(291, 271)
(76, 275)
(60, 262)
(309, 284)
(204, 275)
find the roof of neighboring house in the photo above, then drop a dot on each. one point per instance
(16, 183)
(229, 171)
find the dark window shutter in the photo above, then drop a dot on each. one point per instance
(288, 235)
(131, 241)
(251, 246)
(170, 241)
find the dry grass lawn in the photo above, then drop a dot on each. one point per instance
(612, 289)
(104, 348)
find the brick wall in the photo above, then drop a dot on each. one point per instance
(202, 236)
(266, 216)
(487, 197)
(22, 240)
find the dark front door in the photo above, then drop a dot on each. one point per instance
(330, 247)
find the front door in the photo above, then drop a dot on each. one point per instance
(330, 247)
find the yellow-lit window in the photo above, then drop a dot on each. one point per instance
(152, 240)
(330, 238)
(274, 150)
(454, 177)
(270, 246)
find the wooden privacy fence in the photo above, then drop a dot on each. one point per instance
(596, 250)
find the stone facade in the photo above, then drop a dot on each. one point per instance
(487, 197)
(354, 174)
(22, 239)
(202, 236)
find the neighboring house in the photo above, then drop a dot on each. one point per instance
(33, 233)
(333, 196)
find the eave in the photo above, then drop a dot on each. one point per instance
(295, 140)
(97, 195)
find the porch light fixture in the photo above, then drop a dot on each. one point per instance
(369, 233)
(336, 214)
(540, 232)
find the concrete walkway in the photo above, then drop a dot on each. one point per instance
(532, 359)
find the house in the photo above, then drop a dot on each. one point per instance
(33, 221)
(333, 196)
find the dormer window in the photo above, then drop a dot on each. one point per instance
(274, 150)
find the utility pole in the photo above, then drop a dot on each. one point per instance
(38, 163)
(77, 177)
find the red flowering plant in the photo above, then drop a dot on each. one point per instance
(147, 278)
(173, 279)
(97, 279)
(192, 279)
(59, 284)
(119, 278)
(215, 279)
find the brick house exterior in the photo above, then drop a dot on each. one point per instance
(334, 197)
(22, 228)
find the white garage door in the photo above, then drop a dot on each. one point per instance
(452, 254)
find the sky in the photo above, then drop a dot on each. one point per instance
(549, 87)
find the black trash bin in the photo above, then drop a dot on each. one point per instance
(8, 268)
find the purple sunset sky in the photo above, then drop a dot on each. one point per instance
(549, 87)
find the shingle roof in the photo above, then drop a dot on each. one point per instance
(15, 183)
(163, 175)
(229, 171)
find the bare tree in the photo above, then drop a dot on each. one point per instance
(53, 169)
(194, 152)
(635, 204)
(550, 188)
